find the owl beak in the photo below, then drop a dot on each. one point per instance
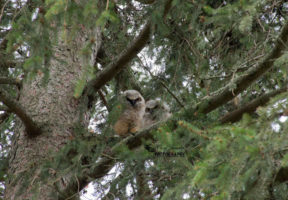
(133, 102)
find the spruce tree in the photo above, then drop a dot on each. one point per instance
(221, 66)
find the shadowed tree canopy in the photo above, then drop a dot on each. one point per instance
(221, 66)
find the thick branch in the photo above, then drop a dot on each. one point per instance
(243, 82)
(125, 57)
(31, 128)
(250, 107)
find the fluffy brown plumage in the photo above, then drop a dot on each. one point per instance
(131, 119)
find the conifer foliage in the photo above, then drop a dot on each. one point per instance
(221, 66)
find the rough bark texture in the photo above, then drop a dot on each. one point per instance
(56, 111)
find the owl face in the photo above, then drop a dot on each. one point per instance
(151, 106)
(157, 109)
(133, 98)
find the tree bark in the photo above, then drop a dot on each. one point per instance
(53, 107)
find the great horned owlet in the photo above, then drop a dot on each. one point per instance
(156, 110)
(131, 119)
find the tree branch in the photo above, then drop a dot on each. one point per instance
(104, 101)
(171, 93)
(125, 57)
(236, 115)
(106, 163)
(243, 82)
(162, 83)
(31, 128)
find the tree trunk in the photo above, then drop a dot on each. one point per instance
(53, 107)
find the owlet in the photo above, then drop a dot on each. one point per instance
(131, 119)
(156, 110)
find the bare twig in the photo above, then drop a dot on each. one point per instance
(107, 4)
(162, 83)
(2, 10)
(243, 67)
(171, 93)
(104, 101)
(31, 127)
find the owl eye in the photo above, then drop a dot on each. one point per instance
(148, 109)
(156, 106)
(138, 99)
